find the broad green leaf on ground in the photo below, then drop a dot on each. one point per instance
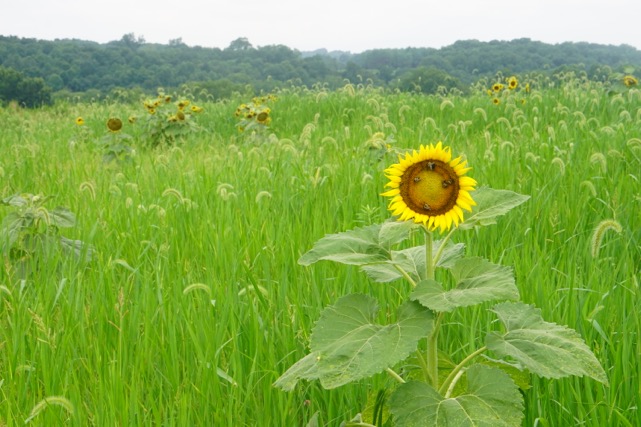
(412, 261)
(491, 399)
(347, 344)
(363, 245)
(544, 348)
(490, 204)
(477, 280)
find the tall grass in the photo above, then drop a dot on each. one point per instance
(194, 302)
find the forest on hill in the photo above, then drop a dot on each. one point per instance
(32, 70)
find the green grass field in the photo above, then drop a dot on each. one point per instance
(193, 303)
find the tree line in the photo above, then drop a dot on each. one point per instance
(32, 70)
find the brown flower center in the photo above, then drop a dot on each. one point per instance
(430, 187)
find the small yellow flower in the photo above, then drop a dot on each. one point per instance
(527, 88)
(114, 124)
(80, 121)
(512, 83)
(180, 115)
(497, 87)
(132, 119)
(182, 104)
(630, 81)
(196, 109)
(496, 101)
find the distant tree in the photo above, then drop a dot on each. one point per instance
(27, 91)
(427, 80)
(240, 43)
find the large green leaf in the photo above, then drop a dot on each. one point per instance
(490, 204)
(477, 281)
(62, 217)
(348, 345)
(359, 246)
(491, 399)
(11, 227)
(544, 348)
(412, 261)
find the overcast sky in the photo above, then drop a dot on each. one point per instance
(350, 25)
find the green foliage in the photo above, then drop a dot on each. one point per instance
(26, 91)
(490, 399)
(77, 66)
(29, 233)
(476, 281)
(348, 345)
(167, 121)
(544, 348)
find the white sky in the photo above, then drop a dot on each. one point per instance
(350, 25)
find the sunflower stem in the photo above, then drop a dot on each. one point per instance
(429, 260)
(439, 252)
(394, 375)
(432, 341)
(448, 384)
(405, 274)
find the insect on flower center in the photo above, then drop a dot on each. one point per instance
(430, 187)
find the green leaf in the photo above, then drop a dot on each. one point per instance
(62, 217)
(491, 399)
(360, 246)
(477, 281)
(347, 345)
(544, 348)
(491, 204)
(412, 261)
(12, 225)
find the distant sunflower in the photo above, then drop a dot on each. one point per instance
(80, 121)
(430, 188)
(196, 109)
(262, 117)
(512, 83)
(496, 101)
(114, 124)
(630, 81)
(497, 87)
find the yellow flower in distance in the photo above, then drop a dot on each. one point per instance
(430, 187)
(512, 83)
(630, 81)
(496, 101)
(80, 121)
(196, 109)
(114, 124)
(497, 87)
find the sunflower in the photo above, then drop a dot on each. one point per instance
(263, 117)
(80, 121)
(496, 101)
(196, 109)
(114, 124)
(630, 81)
(512, 83)
(430, 188)
(497, 87)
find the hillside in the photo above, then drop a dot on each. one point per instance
(80, 66)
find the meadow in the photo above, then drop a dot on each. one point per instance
(193, 302)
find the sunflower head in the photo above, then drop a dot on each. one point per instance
(630, 81)
(496, 101)
(512, 83)
(430, 187)
(80, 121)
(114, 124)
